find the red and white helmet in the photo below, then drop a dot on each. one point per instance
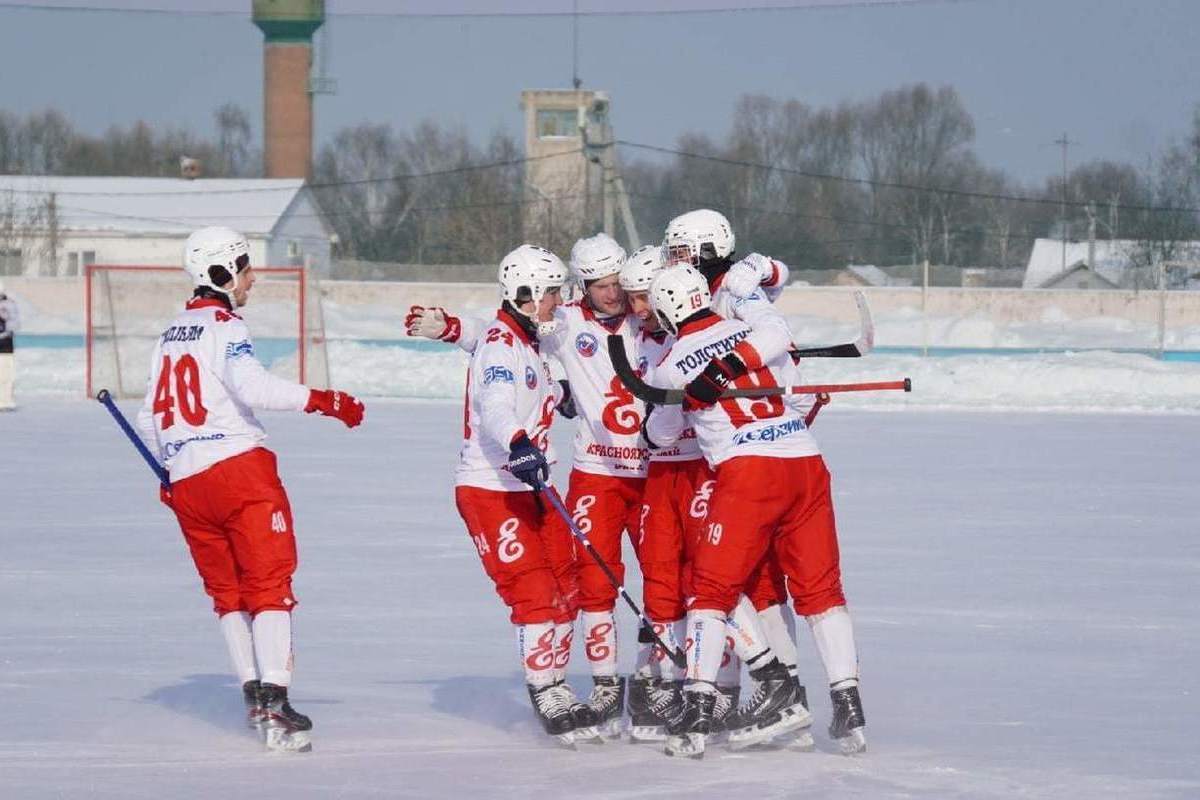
(677, 293)
(697, 236)
(640, 267)
(528, 272)
(596, 257)
(214, 256)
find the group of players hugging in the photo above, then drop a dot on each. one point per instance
(726, 500)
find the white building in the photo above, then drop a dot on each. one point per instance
(54, 226)
(1114, 266)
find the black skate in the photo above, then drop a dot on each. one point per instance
(800, 740)
(582, 715)
(725, 708)
(554, 712)
(848, 728)
(774, 709)
(284, 728)
(649, 713)
(608, 701)
(256, 715)
(688, 731)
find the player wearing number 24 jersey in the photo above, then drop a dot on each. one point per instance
(198, 417)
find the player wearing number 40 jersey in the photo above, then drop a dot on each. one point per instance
(198, 417)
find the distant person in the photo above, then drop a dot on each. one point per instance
(10, 322)
(225, 491)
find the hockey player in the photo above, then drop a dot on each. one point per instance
(526, 548)
(674, 505)
(609, 467)
(10, 321)
(744, 290)
(234, 513)
(772, 492)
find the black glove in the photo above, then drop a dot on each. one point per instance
(707, 387)
(526, 463)
(566, 406)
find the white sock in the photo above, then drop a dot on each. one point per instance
(780, 635)
(706, 629)
(834, 634)
(235, 627)
(673, 635)
(564, 634)
(643, 665)
(535, 645)
(750, 641)
(273, 646)
(600, 642)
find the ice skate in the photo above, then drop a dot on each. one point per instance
(608, 702)
(554, 712)
(774, 709)
(723, 711)
(649, 715)
(848, 728)
(255, 713)
(800, 740)
(284, 728)
(687, 733)
(582, 715)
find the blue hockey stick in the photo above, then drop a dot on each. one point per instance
(647, 629)
(106, 400)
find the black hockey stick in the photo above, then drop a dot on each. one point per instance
(647, 628)
(106, 400)
(856, 349)
(668, 397)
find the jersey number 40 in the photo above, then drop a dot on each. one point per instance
(187, 389)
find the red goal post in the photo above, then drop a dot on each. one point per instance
(127, 307)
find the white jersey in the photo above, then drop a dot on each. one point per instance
(608, 438)
(509, 391)
(771, 426)
(10, 318)
(204, 383)
(652, 349)
(770, 336)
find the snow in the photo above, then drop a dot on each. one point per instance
(1023, 588)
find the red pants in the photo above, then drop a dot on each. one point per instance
(762, 504)
(237, 522)
(674, 506)
(526, 550)
(603, 507)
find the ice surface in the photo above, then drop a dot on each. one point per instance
(1024, 588)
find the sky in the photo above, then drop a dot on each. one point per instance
(1117, 76)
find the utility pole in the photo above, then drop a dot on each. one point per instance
(575, 81)
(1065, 143)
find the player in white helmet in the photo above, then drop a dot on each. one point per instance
(610, 459)
(10, 322)
(225, 491)
(771, 500)
(525, 546)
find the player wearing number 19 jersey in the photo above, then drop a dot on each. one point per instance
(198, 417)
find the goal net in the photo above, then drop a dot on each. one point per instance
(128, 308)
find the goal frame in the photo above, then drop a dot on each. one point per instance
(90, 271)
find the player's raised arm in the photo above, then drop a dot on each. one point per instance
(437, 323)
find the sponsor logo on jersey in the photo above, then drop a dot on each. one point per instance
(171, 449)
(182, 333)
(586, 344)
(617, 451)
(497, 373)
(530, 378)
(238, 349)
(698, 359)
(771, 433)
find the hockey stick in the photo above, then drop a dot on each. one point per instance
(106, 400)
(665, 397)
(856, 349)
(677, 657)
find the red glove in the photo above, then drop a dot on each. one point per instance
(335, 404)
(432, 323)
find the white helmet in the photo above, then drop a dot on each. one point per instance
(640, 267)
(214, 256)
(677, 293)
(698, 235)
(596, 257)
(528, 272)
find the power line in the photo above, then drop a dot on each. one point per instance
(892, 184)
(674, 12)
